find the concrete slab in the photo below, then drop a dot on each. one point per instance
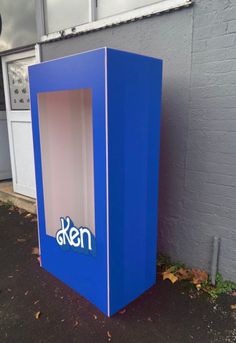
(7, 195)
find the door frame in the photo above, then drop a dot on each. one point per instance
(5, 60)
(6, 172)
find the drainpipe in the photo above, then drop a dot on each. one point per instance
(40, 18)
(215, 258)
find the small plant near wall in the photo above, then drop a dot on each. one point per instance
(7, 204)
(222, 286)
(176, 272)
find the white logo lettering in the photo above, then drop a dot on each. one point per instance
(73, 236)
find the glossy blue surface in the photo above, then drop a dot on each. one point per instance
(134, 100)
(130, 131)
(86, 274)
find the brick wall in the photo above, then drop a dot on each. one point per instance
(209, 198)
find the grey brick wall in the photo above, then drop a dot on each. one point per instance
(210, 179)
(209, 195)
(197, 193)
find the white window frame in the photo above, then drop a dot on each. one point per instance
(93, 24)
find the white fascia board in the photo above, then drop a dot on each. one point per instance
(147, 11)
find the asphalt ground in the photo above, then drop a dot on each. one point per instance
(35, 307)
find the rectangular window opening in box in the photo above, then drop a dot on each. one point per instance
(66, 136)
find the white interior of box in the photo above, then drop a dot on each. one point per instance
(66, 137)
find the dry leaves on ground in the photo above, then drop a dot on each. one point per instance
(21, 240)
(199, 276)
(196, 276)
(170, 276)
(109, 336)
(76, 323)
(37, 315)
(184, 274)
(35, 251)
(198, 286)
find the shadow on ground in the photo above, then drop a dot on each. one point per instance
(166, 313)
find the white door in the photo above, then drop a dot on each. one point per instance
(15, 79)
(5, 166)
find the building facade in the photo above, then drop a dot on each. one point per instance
(197, 42)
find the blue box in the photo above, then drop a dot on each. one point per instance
(96, 133)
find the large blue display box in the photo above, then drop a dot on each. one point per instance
(96, 133)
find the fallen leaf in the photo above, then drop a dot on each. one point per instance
(184, 274)
(198, 286)
(109, 335)
(122, 311)
(76, 323)
(37, 315)
(21, 240)
(26, 293)
(170, 276)
(35, 251)
(37, 301)
(199, 276)
(233, 307)
(28, 215)
(95, 317)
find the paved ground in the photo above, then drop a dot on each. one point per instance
(167, 313)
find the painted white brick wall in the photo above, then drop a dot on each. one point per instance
(210, 179)
(205, 205)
